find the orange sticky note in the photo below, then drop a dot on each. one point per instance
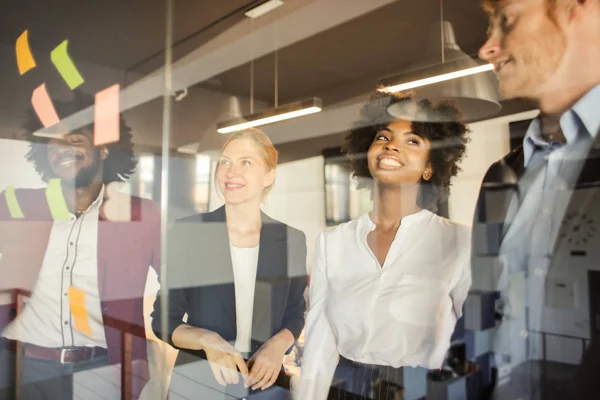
(106, 116)
(25, 60)
(78, 311)
(43, 106)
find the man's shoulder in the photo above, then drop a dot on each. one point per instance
(15, 203)
(25, 193)
(507, 169)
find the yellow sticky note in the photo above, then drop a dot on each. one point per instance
(25, 60)
(78, 311)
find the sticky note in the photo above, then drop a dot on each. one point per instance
(65, 66)
(43, 106)
(106, 116)
(25, 60)
(79, 314)
(13, 205)
(56, 200)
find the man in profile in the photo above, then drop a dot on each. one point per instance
(79, 251)
(548, 335)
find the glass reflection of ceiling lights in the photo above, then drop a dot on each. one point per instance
(469, 84)
(276, 114)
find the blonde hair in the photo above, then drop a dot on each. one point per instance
(269, 152)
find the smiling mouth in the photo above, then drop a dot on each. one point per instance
(389, 163)
(499, 65)
(234, 186)
(66, 160)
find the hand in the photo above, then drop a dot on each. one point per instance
(266, 363)
(224, 359)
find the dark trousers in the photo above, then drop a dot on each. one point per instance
(42, 379)
(367, 382)
(192, 378)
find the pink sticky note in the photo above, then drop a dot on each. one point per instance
(106, 116)
(43, 106)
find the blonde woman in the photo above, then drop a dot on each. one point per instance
(240, 277)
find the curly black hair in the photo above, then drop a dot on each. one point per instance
(118, 165)
(448, 137)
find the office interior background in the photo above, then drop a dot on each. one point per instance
(184, 68)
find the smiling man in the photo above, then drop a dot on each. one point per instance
(80, 251)
(548, 332)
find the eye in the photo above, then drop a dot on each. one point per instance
(414, 142)
(506, 22)
(224, 162)
(381, 137)
(246, 163)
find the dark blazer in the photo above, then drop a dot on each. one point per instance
(493, 221)
(200, 280)
(126, 249)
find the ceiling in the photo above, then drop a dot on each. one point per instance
(124, 35)
(349, 59)
(122, 41)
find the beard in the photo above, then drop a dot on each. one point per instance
(86, 175)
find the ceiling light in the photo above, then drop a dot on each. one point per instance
(272, 115)
(439, 78)
(468, 83)
(191, 148)
(263, 8)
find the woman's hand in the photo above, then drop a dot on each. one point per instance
(224, 359)
(267, 361)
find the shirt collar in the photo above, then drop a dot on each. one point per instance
(582, 117)
(368, 225)
(98, 202)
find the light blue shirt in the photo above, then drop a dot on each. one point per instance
(535, 217)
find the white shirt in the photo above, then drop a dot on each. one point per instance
(71, 259)
(245, 263)
(401, 314)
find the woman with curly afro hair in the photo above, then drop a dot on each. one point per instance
(387, 288)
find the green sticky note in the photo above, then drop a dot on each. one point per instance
(13, 205)
(65, 66)
(56, 201)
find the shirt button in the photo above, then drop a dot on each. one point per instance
(66, 322)
(68, 268)
(71, 243)
(539, 271)
(524, 334)
(546, 211)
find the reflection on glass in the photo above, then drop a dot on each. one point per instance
(202, 189)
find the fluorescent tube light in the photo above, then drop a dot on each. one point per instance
(438, 78)
(288, 111)
(263, 8)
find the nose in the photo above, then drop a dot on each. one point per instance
(390, 146)
(490, 49)
(231, 172)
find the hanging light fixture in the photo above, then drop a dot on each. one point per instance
(469, 84)
(275, 114)
(288, 111)
(232, 110)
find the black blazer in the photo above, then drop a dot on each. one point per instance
(491, 225)
(200, 280)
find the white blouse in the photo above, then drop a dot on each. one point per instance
(245, 263)
(401, 314)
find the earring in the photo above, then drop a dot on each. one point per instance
(427, 175)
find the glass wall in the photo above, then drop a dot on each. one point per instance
(250, 199)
